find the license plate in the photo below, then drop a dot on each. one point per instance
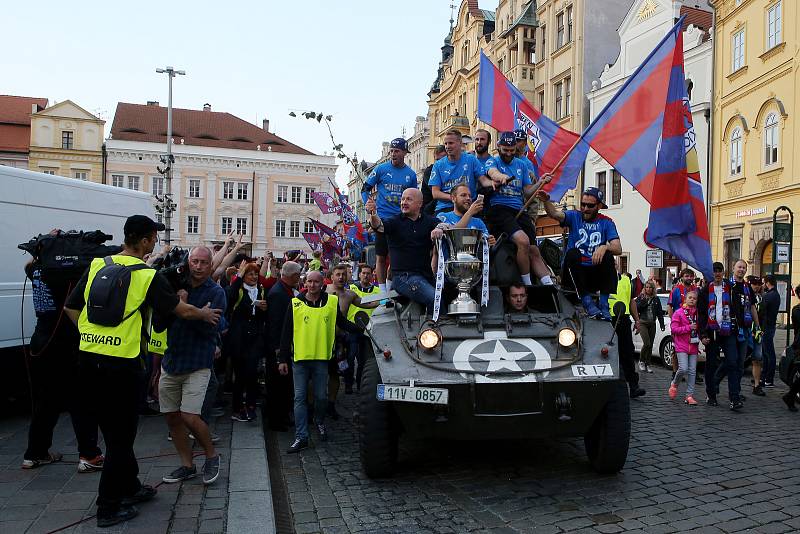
(412, 394)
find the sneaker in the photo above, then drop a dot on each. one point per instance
(211, 470)
(144, 494)
(323, 432)
(297, 446)
(690, 401)
(123, 514)
(52, 457)
(642, 366)
(241, 415)
(214, 437)
(169, 436)
(180, 474)
(759, 391)
(216, 412)
(648, 369)
(769, 385)
(637, 392)
(87, 465)
(590, 307)
(673, 391)
(789, 400)
(736, 406)
(712, 401)
(251, 413)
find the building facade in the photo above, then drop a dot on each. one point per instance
(15, 128)
(228, 176)
(418, 153)
(643, 27)
(67, 140)
(757, 72)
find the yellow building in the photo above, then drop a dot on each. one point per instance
(756, 93)
(67, 140)
(551, 50)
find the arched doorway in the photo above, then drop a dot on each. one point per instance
(762, 259)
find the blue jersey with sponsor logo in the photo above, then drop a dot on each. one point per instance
(509, 194)
(447, 174)
(586, 236)
(452, 218)
(389, 182)
(484, 159)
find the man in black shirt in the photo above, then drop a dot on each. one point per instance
(771, 307)
(410, 235)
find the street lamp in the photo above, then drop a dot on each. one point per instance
(166, 204)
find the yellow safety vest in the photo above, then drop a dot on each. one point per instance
(314, 329)
(158, 342)
(623, 295)
(351, 312)
(125, 339)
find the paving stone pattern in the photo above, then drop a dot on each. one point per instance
(690, 469)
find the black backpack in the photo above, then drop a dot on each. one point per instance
(109, 292)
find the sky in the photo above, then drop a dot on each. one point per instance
(369, 63)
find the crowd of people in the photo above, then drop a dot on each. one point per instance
(222, 320)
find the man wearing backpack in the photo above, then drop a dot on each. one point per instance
(110, 355)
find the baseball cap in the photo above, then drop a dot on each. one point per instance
(596, 193)
(507, 139)
(755, 280)
(718, 267)
(520, 135)
(141, 225)
(400, 143)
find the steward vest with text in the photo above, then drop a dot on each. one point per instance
(623, 295)
(314, 329)
(125, 339)
(158, 342)
(351, 312)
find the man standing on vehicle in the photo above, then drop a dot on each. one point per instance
(589, 264)
(456, 168)
(389, 180)
(112, 368)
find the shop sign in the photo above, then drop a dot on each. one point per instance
(654, 258)
(750, 212)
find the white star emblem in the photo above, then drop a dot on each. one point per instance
(500, 358)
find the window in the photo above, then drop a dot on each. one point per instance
(310, 195)
(81, 175)
(67, 140)
(560, 30)
(192, 224)
(157, 185)
(736, 151)
(283, 193)
(559, 94)
(569, 24)
(227, 225)
(241, 225)
(465, 54)
(294, 228)
(227, 190)
(771, 140)
(616, 188)
(280, 228)
(308, 227)
(500, 65)
(738, 51)
(541, 100)
(194, 188)
(567, 96)
(117, 180)
(601, 183)
(774, 26)
(133, 183)
(242, 191)
(51, 172)
(530, 52)
(733, 252)
(544, 40)
(296, 191)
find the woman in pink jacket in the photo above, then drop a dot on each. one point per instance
(687, 344)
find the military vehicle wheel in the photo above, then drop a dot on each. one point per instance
(377, 425)
(607, 441)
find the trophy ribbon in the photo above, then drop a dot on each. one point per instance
(437, 298)
(485, 281)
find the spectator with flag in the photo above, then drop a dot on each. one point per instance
(458, 167)
(388, 180)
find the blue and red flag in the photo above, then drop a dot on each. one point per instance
(353, 229)
(505, 107)
(646, 133)
(313, 240)
(326, 203)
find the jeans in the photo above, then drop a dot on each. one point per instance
(726, 344)
(416, 287)
(768, 351)
(735, 352)
(687, 366)
(317, 372)
(354, 354)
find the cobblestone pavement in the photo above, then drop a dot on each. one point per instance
(690, 469)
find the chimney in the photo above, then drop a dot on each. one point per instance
(206, 107)
(265, 124)
(152, 102)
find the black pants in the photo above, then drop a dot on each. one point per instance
(795, 387)
(280, 393)
(626, 350)
(248, 352)
(54, 376)
(114, 385)
(589, 278)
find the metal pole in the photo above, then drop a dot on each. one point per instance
(168, 178)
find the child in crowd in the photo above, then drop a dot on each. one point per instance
(687, 344)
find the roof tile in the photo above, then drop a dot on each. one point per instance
(17, 109)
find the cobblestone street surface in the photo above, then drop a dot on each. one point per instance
(690, 469)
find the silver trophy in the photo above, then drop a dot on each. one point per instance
(463, 267)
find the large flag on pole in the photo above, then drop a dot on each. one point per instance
(313, 240)
(326, 203)
(505, 107)
(645, 132)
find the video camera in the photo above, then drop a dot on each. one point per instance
(175, 267)
(68, 254)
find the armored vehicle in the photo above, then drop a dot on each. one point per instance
(547, 372)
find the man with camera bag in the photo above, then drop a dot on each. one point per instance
(111, 323)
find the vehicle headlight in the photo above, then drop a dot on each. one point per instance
(429, 338)
(566, 337)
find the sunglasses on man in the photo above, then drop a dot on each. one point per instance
(588, 205)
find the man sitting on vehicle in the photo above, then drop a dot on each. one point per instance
(517, 298)
(465, 211)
